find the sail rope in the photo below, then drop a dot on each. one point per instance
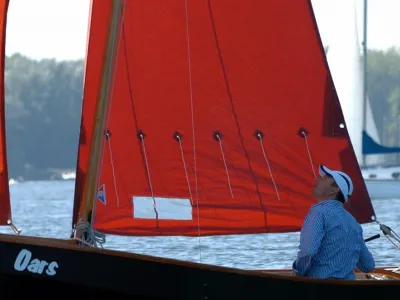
(13, 227)
(193, 123)
(178, 138)
(390, 234)
(309, 153)
(90, 236)
(218, 138)
(260, 137)
(108, 137)
(141, 135)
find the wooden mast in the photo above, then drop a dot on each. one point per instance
(90, 186)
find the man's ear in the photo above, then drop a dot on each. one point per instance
(334, 190)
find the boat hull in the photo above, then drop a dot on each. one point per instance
(55, 267)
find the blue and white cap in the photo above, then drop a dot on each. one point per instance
(342, 180)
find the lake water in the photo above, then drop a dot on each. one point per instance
(44, 208)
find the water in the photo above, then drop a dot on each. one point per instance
(44, 208)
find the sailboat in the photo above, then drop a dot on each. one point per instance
(199, 118)
(348, 67)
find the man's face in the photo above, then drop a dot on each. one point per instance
(325, 188)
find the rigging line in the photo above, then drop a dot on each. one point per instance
(389, 233)
(394, 244)
(193, 124)
(269, 167)
(148, 177)
(184, 166)
(92, 238)
(13, 227)
(226, 167)
(309, 154)
(113, 169)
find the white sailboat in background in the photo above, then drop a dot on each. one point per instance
(346, 62)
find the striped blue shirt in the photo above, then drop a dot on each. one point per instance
(331, 244)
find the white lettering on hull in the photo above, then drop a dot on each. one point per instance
(24, 262)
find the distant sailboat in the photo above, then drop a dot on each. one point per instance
(346, 62)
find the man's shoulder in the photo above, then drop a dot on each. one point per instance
(316, 209)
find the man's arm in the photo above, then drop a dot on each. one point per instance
(311, 236)
(366, 262)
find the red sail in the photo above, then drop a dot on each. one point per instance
(98, 17)
(5, 207)
(208, 108)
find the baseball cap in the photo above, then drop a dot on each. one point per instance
(342, 180)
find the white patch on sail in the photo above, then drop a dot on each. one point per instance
(167, 208)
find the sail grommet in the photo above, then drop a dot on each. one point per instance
(341, 125)
(107, 134)
(259, 134)
(141, 135)
(217, 135)
(302, 132)
(178, 135)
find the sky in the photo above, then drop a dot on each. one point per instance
(58, 28)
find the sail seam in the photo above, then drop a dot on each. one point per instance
(229, 93)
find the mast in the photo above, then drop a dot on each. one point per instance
(90, 188)
(364, 44)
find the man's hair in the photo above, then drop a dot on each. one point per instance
(339, 195)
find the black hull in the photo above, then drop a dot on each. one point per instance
(86, 273)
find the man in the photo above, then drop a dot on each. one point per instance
(331, 240)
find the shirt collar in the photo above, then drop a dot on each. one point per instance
(328, 202)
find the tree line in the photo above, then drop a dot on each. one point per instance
(43, 107)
